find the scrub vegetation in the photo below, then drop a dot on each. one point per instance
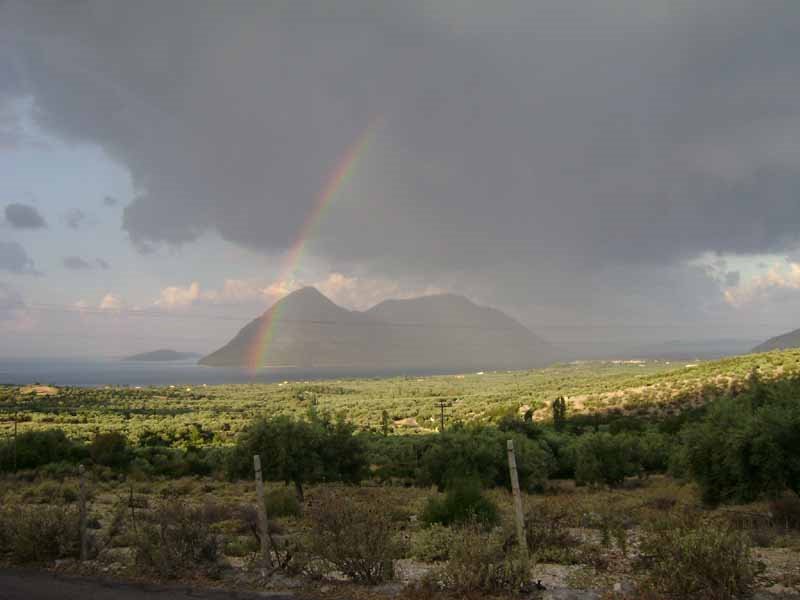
(666, 480)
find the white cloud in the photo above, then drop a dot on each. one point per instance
(243, 291)
(110, 302)
(779, 278)
(233, 291)
(361, 293)
(353, 292)
(176, 296)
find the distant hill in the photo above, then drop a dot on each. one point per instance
(693, 349)
(780, 342)
(162, 355)
(441, 331)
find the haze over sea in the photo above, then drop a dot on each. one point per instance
(87, 372)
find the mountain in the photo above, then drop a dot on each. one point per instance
(780, 342)
(443, 331)
(162, 355)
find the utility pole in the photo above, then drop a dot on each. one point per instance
(442, 405)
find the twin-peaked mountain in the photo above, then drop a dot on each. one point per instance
(446, 331)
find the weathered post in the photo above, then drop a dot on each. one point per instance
(520, 519)
(82, 509)
(15, 443)
(262, 513)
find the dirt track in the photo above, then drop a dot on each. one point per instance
(30, 584)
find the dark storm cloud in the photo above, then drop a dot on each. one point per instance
(76, 263)
(24, 216)
(537, 148)
(14, 259)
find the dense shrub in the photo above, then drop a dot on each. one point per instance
(353, 537)
(707, 562)
(433, 543)
(654, 451)
(110, 450)
(40, 534)
(562, 448)
(481, 453)
(174, 539)
(282, 502)
(483, 562)
(602, 458)
(463, 502)
(37, 448)
(171, 462)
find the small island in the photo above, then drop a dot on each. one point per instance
(162, 355)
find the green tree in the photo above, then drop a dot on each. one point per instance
(110, 450)
(747, 445)
(385, 422)
(301, 451)
(559, 407)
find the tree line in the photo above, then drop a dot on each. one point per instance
(737, 448)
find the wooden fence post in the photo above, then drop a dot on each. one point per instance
(519, 517)
(82, 508)
(262, 513)
(15, 442)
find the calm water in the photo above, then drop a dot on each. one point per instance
(85, 372)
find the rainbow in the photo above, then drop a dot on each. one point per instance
(344, 169)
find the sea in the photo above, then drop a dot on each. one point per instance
(82, 372)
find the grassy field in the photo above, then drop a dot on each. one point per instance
(213, 415)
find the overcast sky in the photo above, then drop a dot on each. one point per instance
(623, 170)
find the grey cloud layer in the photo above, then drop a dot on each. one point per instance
(24, 216)
(577, 145)
(14, 259)
(76, 263)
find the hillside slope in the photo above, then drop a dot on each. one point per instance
(446, 331)
(780, 342)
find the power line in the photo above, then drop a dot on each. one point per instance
(149, 313)
(160, 314)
